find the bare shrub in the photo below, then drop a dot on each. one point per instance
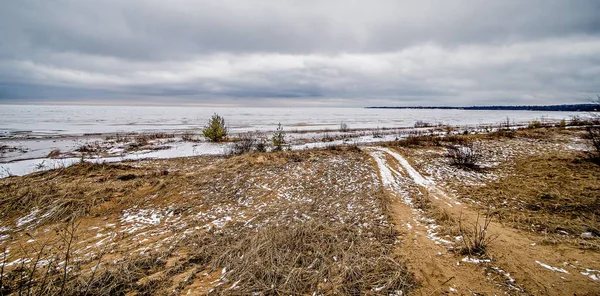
(421, 123)
(189, 136)
(244, 144)
(562, 123)
(535, 124)
(593, 133)
(506, 124)
(327, 137)
(215, 130)
(475, 237)
(261, 145)
(465, 156)
(344, 127)
(376, 133)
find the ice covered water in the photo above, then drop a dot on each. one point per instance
(76, 120)
(31, 133)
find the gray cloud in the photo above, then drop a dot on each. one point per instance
(300, 52)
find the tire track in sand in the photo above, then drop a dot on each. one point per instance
(515, 258)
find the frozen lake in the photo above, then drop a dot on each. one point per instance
(77, 120)
(35, 138)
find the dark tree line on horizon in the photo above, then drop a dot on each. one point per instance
(571, 107)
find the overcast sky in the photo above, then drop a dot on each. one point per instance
(304, 52)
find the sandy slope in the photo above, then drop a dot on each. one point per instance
(521, 266)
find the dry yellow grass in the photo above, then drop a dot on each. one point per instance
(557, 194)
(272, 223)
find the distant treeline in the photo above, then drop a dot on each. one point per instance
(575, 107)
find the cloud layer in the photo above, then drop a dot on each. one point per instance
(350, 53)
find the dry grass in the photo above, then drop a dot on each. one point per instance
(302, 258)
(555, 194)
(66, 194)
(297, 222)
(54, 272)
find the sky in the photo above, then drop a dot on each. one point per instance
(300, 53)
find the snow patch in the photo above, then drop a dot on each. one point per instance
(551, 268)
(475, 260)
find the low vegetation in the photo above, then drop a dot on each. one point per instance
(278, 138)
(556, 194)
(245, 143)
(291, 227)
(475, 238)
(344, 127)
(465, 156)
(593, 133)
(290, 222)
(61, 196)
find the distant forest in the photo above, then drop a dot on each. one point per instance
(575, 107)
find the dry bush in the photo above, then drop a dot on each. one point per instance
(189, 136)
(261, 145)
(466, 156)
(376, 133)
(344, 127)
(475, 237)
(421, 123)
(593, 133)
(327, 137)
(534, 124)
(244, 144)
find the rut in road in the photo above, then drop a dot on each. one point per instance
(515, 264)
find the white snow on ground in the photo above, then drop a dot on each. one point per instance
(387, 175)
(391, 180)
(592, 274)
(475, 260)
(136, 219)
(180, 149)
(420, 180)
(505, 274)
(551, 268)
(28, 218)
